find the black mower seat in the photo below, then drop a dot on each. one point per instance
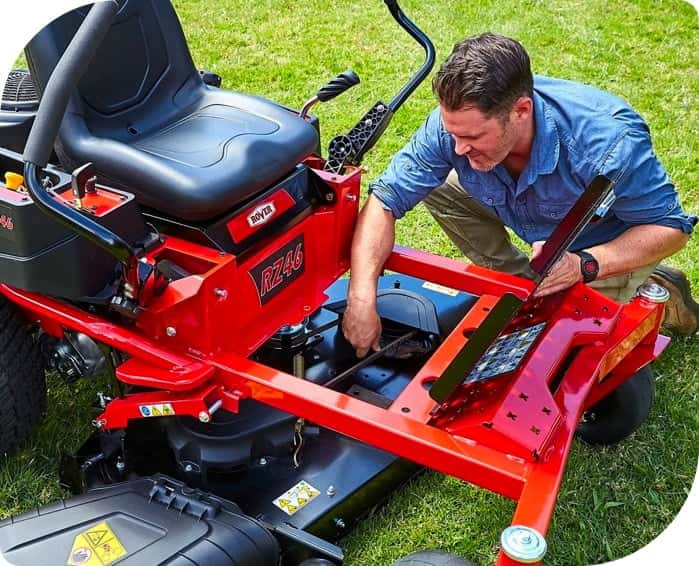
(145, 118)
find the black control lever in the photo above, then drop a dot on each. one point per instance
(332, 89)
(338, 85)
(350, 149)
(83, 182)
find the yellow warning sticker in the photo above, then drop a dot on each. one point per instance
(440, 289)
(297, 497)
(97, 546)
(161, 410)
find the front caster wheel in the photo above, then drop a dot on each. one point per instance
(431, 558)
(621, 412)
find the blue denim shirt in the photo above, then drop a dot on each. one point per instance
(581, 132)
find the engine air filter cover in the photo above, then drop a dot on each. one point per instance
(19, 94)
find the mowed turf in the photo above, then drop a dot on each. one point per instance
(613, 500)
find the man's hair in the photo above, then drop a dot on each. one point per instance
(488, 71)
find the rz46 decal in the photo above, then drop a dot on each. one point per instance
(6, 222)
(276, 272)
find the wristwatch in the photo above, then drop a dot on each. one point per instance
(588, 266)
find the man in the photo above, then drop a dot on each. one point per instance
(506, 149)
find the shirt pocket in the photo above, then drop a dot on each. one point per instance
(493, 204)
(551, 213)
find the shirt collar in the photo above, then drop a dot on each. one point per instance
(546, 147)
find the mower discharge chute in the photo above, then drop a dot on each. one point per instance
(198, 237)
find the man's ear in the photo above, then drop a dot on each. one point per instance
(522, 108)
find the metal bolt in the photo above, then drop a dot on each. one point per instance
(523, 544)
(331, 491)
(221, 293)
(262, 461)
(171, 331)
(339, 523)
(188, 468)
(654, 293)
(215, 406)
(204, 416)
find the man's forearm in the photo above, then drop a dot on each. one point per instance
(372, 244)
(637, 247)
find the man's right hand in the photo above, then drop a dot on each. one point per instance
(371, 245)
(361, 326)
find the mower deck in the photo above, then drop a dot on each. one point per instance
(508, 433)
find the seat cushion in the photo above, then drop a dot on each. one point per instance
(219, 154)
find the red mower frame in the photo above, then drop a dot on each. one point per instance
(511, 435)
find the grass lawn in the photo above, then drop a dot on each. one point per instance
(614, 500)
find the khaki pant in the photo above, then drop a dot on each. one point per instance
(483, 239)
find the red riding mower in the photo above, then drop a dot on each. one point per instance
(191, 241)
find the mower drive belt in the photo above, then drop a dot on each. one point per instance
(339, 379)
(572, 225)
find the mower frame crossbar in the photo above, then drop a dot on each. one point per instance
(510, 434)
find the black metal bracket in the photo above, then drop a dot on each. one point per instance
(574, 222)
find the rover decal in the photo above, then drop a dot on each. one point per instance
(261, 214)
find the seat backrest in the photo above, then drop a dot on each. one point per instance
(143, 63)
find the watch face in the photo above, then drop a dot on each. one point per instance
(589, 268)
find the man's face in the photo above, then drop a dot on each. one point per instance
(484, 141)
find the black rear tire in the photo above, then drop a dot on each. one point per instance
(22, 379)
(620, 413)
(432, 558)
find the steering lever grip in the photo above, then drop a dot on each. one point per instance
(338, 85)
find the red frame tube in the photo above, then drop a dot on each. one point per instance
(510, 435)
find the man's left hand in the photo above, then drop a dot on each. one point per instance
(565, 273)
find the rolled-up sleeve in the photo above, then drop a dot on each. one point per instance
(419, 167)
(644, 192)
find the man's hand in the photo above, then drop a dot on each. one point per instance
(361, 326)
(565, 273)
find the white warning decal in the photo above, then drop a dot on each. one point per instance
(440, 288)
(297, 497)
(160, 410)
